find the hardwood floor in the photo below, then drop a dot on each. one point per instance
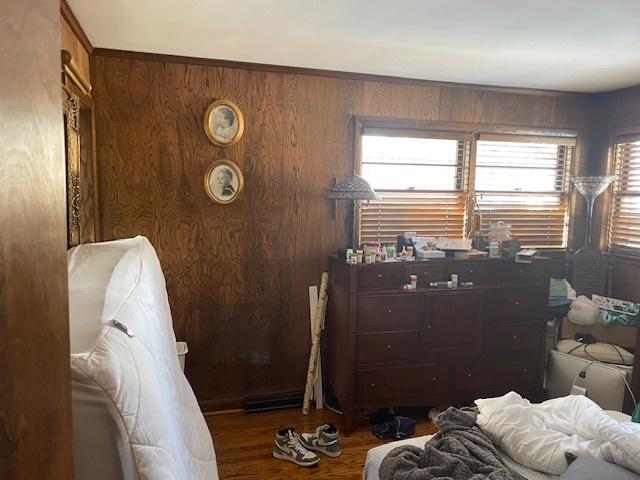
(243, 445)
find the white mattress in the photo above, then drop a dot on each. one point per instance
(377, 454)
(135, 415)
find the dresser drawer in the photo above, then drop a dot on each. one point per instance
(453, 324)
(520, 304)
(372, 277)
(387, 347)
(388, 312)
(476, 271)
(519, 272)
(401, 385)
(505, 373)
(514, 338)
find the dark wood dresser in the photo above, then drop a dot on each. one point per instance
(387, 347)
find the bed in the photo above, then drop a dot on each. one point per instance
(376, 455)
(135, 415)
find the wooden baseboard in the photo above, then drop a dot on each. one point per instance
(221, 404)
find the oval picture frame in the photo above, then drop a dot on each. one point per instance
(223, 181)
(223, 123)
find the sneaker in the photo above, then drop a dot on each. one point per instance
(325, 440)
(287, 446)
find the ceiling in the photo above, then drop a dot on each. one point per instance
(575, 45)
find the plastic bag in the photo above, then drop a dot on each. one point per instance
(583, 312)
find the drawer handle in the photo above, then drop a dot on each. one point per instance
(373, 385)
(434, 379)
(388, 346)
(525, 370)
(515, 337)
(469, 375)
(379, 275)
(389, 310)
(428, 325)
(517, 302)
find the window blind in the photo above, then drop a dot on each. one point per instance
(624, 230)
(524, 181)
(421, 182)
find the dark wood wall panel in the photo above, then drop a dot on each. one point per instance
(35, 400)
(238, 274)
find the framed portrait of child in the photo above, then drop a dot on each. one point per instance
(223, 181)
(223, 123)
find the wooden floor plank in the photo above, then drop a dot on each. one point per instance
(243, 445)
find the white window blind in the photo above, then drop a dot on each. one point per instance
(624, 231)
(524, 181)
(421, 181)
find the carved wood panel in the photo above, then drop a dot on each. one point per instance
(71, 109)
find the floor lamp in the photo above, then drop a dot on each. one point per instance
(589, 268)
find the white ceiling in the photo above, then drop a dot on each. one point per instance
(576, 45)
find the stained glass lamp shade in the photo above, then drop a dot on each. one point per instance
(353, 187)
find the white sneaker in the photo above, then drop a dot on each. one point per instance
(325, 440)
(287, 446)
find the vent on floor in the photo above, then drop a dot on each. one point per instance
(273, 401)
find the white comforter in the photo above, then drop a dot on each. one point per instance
(149, 397)
(538, 435)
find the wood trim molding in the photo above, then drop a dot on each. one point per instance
(363, 121)
(221, 405)
(634, 89)
(366, 77)
(69, 16)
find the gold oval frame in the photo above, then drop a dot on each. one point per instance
(233, 166)
(236, 111)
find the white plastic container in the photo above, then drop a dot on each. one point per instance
(182, 349)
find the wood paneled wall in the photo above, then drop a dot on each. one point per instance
(74, 40)
(35, 400)
(237, 275)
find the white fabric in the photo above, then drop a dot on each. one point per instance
(377, 454)
(150, 408)
(538, 435)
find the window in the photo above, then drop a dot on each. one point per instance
(624, 231)
(524, 182)
(424, 180)
(421, 182)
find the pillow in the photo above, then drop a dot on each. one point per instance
(602, 352)
(585, 468)
(583, 312)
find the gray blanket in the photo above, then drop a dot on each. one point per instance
(459, 451)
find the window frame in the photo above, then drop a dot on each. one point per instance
(620, 136)
(471, 131)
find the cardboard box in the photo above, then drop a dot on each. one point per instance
(617, 334)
